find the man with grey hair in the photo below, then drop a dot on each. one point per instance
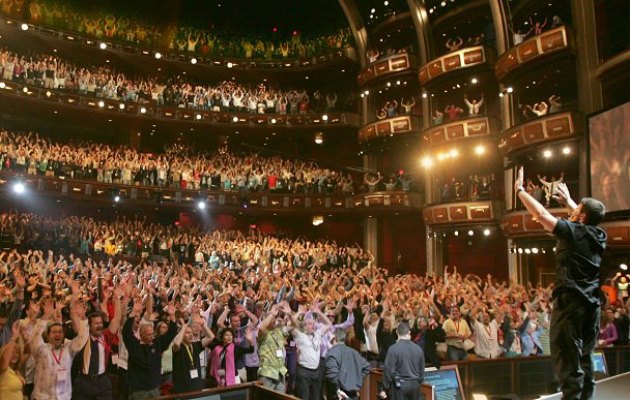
(345, 369)
(404, 367)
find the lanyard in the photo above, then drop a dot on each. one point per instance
(488, 331)
(189, 351)
(57, 358)
(456, 326)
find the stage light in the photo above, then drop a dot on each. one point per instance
(397, 82)
(158, 55)
(566, 150)
(427, 162)
(19, 188)
(325, 117)
(510, 89)
(275, 29)
(425, 95)
(193, 61)
(201, 205)
(198, 116)
(623, 267)
(520, 250)
(535, 250)
(547, 153)
(474, 81)
(101, 104)
(501, 94)
(367, 92)
(230, 65)
(143, 110)
(25, 90)
(24, 27)
(456, 233)
(386, 3)
(443, 4)
(48, 93)
(471, 232)
(116, 198)
(235, 119)
(102, 45)
(2, 85)
(318, 220)
(273, 120)
(453, 153)
(486, 232)
(121, 106)
(373, 10)
(479, 150)
(319, 138)
(527, 251)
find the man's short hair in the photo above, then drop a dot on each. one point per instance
(52, 326)
(340, 335)
(403, 329)
(594, 209)
(93, 315)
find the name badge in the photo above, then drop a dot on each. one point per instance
(237, 380)
(194, 374)
(292, 344)
(62, 376)
(115, 359)
(202, 358)
(279, 353)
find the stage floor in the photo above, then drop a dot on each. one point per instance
(613, 388)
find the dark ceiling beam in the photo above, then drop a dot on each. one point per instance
(358, 29)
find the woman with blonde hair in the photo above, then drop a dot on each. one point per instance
(11, 382)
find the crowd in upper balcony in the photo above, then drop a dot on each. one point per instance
(178, 167)
(52, 72)
(181, 38)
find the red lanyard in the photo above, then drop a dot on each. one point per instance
(57, 359)
(456, 326)
(488, 330)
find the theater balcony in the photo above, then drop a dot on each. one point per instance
(618, 234)
(344, 58)
(53, 100)
(543, 130)
(476, 127)
(520, 223)
(394, 66)
(470, 59)
(541, 49)
(216, 200)
(402, 125)
(461, 213)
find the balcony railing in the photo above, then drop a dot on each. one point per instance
(618, 233)
(151, 111)
(535, 48)
(546, 129)
(463, 58)
(522, 223)
(391, 65)
(473, 127)
(235, 199)
(390, 127)
(459, 213)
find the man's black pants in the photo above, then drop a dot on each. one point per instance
(573, 336)
(308, 383)
(409, 390)
(92, 388)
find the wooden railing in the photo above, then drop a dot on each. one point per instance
(533, 49)
(15, 90)
(463, 58)
(391, 65)
(459, 213)
(545, 129)
(266, 200)
(390, 127)
(472, 127)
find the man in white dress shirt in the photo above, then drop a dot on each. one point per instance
(486, 336)
(53, 360)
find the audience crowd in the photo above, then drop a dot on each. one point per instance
(176, 38)
(178, 167)
(51, 72)
(230, 300)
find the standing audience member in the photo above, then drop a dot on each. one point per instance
(345, 369)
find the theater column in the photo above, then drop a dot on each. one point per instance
(420, 19)
(357, 27)
(589, 85)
